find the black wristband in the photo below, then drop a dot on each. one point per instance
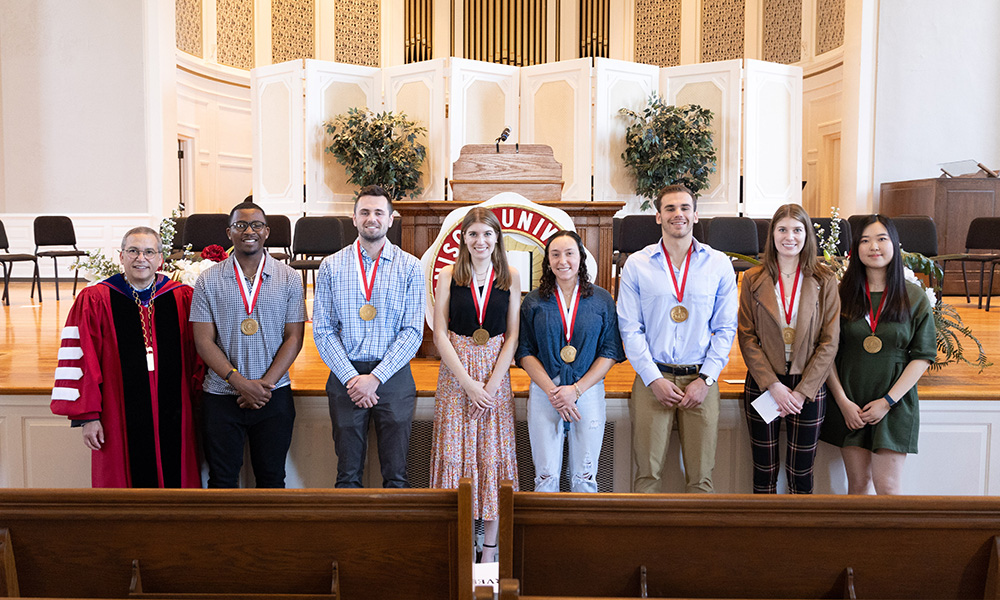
(891, 402)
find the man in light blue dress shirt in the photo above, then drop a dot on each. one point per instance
(368, 323)
(677, 308)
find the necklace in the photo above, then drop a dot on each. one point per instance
(147, 337)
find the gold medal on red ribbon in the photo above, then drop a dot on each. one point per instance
(568, 315)
(788, 333)
(678, 314)
(568, 353)
(872, 343)
(480, 300)
(367, 311)
(249, 325)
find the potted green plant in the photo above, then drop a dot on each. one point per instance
(378, 148)
(668, 144)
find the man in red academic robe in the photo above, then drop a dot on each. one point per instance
(128, 373)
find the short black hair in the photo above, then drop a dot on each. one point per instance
(246, 206)
(374, 190)
(671, 189)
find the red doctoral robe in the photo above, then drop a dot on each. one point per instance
(102, 374)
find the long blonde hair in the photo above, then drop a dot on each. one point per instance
(808, 259)
(462, 271)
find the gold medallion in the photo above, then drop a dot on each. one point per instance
(872, 344)
(367, 312)
(480, 336)
(788, 335)
(679, 314)
(249, 326)
(568, 353)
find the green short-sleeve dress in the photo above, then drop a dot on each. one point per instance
(867, 377)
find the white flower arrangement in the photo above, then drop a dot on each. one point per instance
(187, 271)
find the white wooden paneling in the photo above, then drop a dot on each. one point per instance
(331, 89)
(822, 116)
(277, 91)
(618, 84)
(959, 449)
(556, 111)
(418, 90)
(772, 157)
(483, 99)
(214, 120)
(716, 86)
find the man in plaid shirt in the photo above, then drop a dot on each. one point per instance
(368, 322)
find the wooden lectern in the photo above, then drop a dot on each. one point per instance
(484, 170)
(952, 203)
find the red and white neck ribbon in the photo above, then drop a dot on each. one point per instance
(791, 301)
(481, 299)
(670, 267)
(568, 313)
(873, 315)
(249, 294)
(367, 285)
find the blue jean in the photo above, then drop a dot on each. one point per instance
(546, 429)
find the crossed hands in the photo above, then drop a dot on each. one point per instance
(857, 417)
(563, 399)
(253, 393)
(671, 396)
(482, 398)
(789, 401)
(361, 389)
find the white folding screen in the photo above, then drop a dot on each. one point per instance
(772, 155)
(331, 89)
(418, 90)
(482, 100)
(276, 112)
(556, 110)
(618, 84)
(717, 87)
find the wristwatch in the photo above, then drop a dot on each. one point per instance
(708, 380)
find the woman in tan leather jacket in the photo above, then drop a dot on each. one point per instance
(789, 328)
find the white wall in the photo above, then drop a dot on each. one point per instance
(938, 87)
(73, 128)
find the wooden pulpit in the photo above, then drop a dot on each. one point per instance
(484, 170)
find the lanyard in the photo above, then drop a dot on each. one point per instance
(873, 315)
(670, 267)
(481, 299)
(249, 295)
(366, 285)
(791, 301)
(568, 313)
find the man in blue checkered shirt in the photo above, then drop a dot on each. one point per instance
(368, 322)
(248, 317)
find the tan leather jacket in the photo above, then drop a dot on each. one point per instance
(817, 330)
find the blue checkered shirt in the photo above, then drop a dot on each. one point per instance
(393, 336)
(217, 299)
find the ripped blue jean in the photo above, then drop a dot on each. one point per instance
(545, 428)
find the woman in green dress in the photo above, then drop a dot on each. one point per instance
(887, 341)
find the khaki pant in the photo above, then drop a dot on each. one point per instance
(652, 424)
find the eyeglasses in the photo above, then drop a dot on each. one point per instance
(134, 253)
(242, 225)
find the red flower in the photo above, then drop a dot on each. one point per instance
(214, 253)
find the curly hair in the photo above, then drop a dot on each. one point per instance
(547, 284)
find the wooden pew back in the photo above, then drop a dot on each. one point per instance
(732, 546)
(391, 543)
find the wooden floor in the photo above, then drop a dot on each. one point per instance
(31, 330)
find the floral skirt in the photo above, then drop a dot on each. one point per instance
(481, 449)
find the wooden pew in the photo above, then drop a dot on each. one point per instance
(236, 543)
(739, 546)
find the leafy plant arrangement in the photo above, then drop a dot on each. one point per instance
(668, 144)
(378, 148)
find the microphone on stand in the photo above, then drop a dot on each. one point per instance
(503, 137)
